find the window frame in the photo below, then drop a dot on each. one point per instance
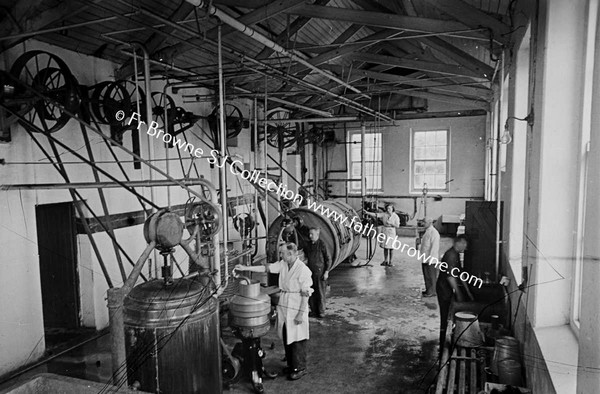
(413, 131)
(355, 191)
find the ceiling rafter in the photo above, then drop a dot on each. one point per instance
(253, 17)
(473, 17)
(414, 64)
(457, 88)
(379, 19)
(293, 28)
(156, 40)
(437, 43)
(30, 17)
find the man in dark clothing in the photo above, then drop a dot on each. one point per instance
(319, 263)
(447, 285)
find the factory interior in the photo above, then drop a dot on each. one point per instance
(300, 196)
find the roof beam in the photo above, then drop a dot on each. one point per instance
(156, 40)
(415, 64)
(347, 49)
(444, 47)
(290, 31)
(424, 83)
(30, 16)
(459, 56)
(472, 17)
(258, 15)
(242, 3)
(463, 102)
(379, 19)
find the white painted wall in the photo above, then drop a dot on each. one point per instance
(467, 164)
(552, 165)
(21, 326)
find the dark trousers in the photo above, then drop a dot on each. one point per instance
(444, 303)
(318, 297)
(430, 277)
(295, 352)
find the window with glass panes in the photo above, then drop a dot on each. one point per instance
(372, 161)
(430, 160)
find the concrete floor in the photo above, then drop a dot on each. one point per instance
(379, 336)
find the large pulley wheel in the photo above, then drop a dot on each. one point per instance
(281, 134)
(49, 77)
(108, 98)
(163, 112)
(234, 120)
(125, 96)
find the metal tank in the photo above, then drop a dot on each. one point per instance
(172, 338)
(340, 240)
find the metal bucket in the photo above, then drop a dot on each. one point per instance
(506, 348)
(466, 330)
(509, 372)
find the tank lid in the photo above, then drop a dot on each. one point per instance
(156, 291)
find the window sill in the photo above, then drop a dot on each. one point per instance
(429, 192)
(560, 350)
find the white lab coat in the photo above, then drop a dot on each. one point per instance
(291, 282)
(430, 244)
(390, 223)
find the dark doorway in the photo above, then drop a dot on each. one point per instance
(57, 249)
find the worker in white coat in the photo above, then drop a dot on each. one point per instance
(391, 221)
(430, 247)
(295, 283)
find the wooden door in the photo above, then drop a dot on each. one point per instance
(480, 229)
(57, 249)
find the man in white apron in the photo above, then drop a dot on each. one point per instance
(295, 283)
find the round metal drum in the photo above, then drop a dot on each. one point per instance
(249, 310)
(172, 338)
(341, 241)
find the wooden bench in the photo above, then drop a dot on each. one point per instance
(462, 368)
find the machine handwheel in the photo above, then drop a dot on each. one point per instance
(231, 370)
(163, 112)
(205, 214)
(258, 387)
(49, 76)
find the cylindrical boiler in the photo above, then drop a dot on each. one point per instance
(341, 241)
(172, 338)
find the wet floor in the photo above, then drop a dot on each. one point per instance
(379, 336)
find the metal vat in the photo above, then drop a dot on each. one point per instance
(172, 338)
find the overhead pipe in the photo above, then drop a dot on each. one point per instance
(238, 88)
(499, 170)
(222, 171)
(255, 157)
(148, 94)
(312, 120)
(281, 74)
(254, 34)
